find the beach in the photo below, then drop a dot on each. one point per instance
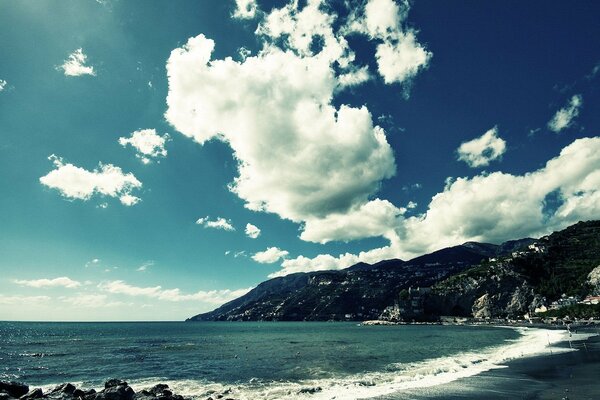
(552, 375)
(319, 361)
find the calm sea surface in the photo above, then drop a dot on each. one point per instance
(269, 359)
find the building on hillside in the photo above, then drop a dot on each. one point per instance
(590, 300)
(411, 303)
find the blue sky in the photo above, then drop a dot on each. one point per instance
(158, 159)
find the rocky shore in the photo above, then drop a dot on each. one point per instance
(114, 389)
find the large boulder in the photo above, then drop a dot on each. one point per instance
(33, 394)
(158, 392)
(115, 389)
(64, 388)
(594, 280)
(14, 389)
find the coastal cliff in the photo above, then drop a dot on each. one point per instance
(479, 280)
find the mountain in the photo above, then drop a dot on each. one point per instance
(562, 264)
(361, 291)
(480, 280)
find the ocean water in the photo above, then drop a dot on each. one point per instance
(266, 360)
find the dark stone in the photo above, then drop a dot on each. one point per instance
(89, 394)
(14, 389)
(311, 390)
(78, 393)
(144, 395)
(65, 388)
(158, 389)
(33, 394)
(120, 392)
(5, 396)
(114, 382)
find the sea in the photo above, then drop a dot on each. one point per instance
(261, 360)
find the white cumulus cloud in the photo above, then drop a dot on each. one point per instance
(375, 218)
(270, 255)
(63, 281)
(218, 223)
(75, 65)
(480, 151)
(148, 144)
(565, 116)
(303, 157)
(77, 183)
(215, 297)
(486, 208)
(245, 9)
(399, 55)
(252, 231)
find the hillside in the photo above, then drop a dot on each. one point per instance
(471, 280)
(359, 292)
(560, 264)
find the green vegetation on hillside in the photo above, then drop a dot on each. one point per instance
(572, 254)
(585, 311)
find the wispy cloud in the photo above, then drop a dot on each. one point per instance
(218, 223)
(174, 295)
(90, 301)
(12, 300)
(144, 267)
(565, 116)
(45, 283)
(75, 65)
(92, 262)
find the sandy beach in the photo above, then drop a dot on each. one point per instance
(555, 375)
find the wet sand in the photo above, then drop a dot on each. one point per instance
(571, 376)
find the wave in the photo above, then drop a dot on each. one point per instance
(395, 378)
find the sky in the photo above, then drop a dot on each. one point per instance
(158, 159)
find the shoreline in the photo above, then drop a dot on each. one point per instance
(461, 376)
(570, 373)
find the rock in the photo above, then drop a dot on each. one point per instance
(78, 393)
(114, 389)
(594, 280)
(121, 392)
(89, 394)
(64, 388)
(114, 382)
(160, 389)
(5, 396)
(33, 394)
(14, 389)
(158, 392)
(311, 390)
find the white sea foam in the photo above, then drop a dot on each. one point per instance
(396, 378)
